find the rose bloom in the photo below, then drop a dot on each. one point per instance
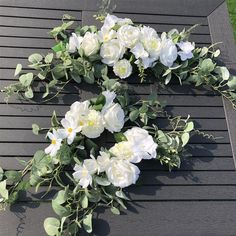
(103, 161)
(90, 44)
(125, 150)
(122, 68)
(141, 138)
(122, 173)
(114, 117)
(128, 35)
(78, 112)
(74, 42)
(168, 53)
(111, 52)
(94, 125)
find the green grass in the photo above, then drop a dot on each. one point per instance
(232, 13)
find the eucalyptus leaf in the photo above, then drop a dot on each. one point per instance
(48, 58)
(119, 137)
(133, 115)
(3, 190)
(18, 69)
(185, 139)
(13, 175)
(29, 93)
(87, 223)
(51, 226)
(115, 211)
(232, 82)
(26, 79)
(84, 201)
(35, 58)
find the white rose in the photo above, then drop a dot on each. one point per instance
(114, 117)
(78, 112)
(82, 175)
(94, 125)
(105, 35)
(147, 31)
(90, 44)
(111, 52)
(153, 46)
(103, 161)
(141, 138)
(74, 42)
(187, 49)
(125, 150)
(128, 35)
(139, 51)
(122, 173)
(168, 52)
(122, 68)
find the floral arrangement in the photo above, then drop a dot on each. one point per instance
(107, 57)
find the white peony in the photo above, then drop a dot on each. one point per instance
(122, 68)
(94, 124)
(103, 161)
(111, 52)
(71, 128)
(109, 22)
(141, 138)
(56, 138)
(90, 44)
(125, 150)
(74, 42)
(105, 35)
(168, 52)
(128, 35)
(82, 175)
(153, 46)
(187, 49)
(139, 51)
(79, 112)
(114, 117)
(122, 173)
(91, 165)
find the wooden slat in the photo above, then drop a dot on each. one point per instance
(28, 149)
(203, 8)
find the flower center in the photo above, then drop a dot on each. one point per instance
(69, 130)
(91, 123)
(54, 141)
(122, 70)
(81, 123)
(106, 37)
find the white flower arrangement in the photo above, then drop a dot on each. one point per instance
(120, 48)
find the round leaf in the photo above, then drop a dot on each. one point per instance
(26, 79)
(51, 226)
(35, 58)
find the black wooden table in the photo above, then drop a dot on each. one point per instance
(198, 199)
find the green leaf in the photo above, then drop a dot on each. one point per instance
(232, 82)
(26, 79)
(13, 175)
(167, 79)
(64, 154)
(216, 53)
(87, 223)
(223, 72)
(48, 58)
(101, 99)
(84, 201)
(75, 77)
(89, 78)
(61, 196)
(3, 190)
(58, 47)
(185, 139)
(1, 173)
(35, 58)
(143, 108)
(207, 66)
(133, 115)
(58, 71)
(18, 69)
(115, 211)
(189, 127)
(51, 226)
(89, 144)
(203, 52)
(29, 93)
(119, 137)
(59, 209)
(121, 194)
(35, 129)
(102, 181)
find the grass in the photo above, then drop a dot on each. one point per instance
(232, 13)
